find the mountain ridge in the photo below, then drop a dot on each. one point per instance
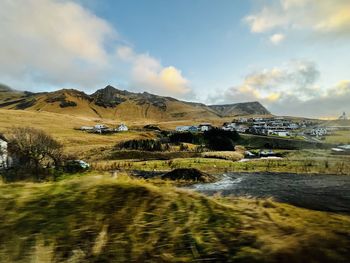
(112, 103)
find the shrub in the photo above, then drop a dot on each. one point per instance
(220, 140)
(142, 145)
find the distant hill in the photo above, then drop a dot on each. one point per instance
(246, 108)
(113, 103)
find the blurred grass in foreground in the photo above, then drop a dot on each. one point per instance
(99, 219)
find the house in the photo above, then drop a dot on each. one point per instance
(100, 128)
(205, 127)
(122, 128)
(182, 128)
(293, 126)
(193, 129)
(280, 133)
(186, 129)
(242, 128)
(229, 127)
(3, 153)
(318, 132)
(243, 120)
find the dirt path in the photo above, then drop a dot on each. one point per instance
(319, 192)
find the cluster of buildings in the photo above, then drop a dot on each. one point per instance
(261, 126)
(200, 128)
(264, 126)
(318, 132)
(101, 128)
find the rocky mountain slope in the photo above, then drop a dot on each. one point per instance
(246, 108)
(113, 103)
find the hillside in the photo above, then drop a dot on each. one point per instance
(93, 219)
(239, 109)
(112, 103)
(61, 127)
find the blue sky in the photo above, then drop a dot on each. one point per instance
(291, 55)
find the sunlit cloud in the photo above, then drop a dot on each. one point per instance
(291, 89)
(62, 44)
(319, 16)
(276, 39)
(147, 72)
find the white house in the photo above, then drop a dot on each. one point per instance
(3, 154)
(318, 132)
(205, 127)
(100, 127)
(243, 120)
(230, 127)
(186, 129)
(181, 128)
(293, 126)
(122, 127)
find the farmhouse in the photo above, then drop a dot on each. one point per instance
(3, 152)
(122, 127)
(205, 127)
(186, 129)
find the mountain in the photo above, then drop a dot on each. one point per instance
(113, 103)
(246, 108)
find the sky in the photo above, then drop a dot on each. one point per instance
(291, 55)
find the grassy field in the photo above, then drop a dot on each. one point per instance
(305, 161)
(62, 127)
(98, 219)
(338, 137)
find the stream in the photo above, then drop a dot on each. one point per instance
(318, 192)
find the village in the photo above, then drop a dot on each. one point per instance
(275, 126)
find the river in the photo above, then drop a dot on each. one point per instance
(318, 192)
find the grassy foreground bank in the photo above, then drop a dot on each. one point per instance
(96, 219)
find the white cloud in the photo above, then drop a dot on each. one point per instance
(291, 89)
(51, 41)
(59, 43)
(276, 39)
(319, 16)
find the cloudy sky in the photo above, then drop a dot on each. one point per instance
(291, 55)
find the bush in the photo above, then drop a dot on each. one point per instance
(142, 145)
(214, 139)
(187, 137)
(220, 140)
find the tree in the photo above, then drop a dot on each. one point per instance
(34, 148)
(221, 140)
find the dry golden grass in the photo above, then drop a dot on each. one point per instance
(61, 127)
(233, 156)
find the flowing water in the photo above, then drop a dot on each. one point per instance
(319, 192)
